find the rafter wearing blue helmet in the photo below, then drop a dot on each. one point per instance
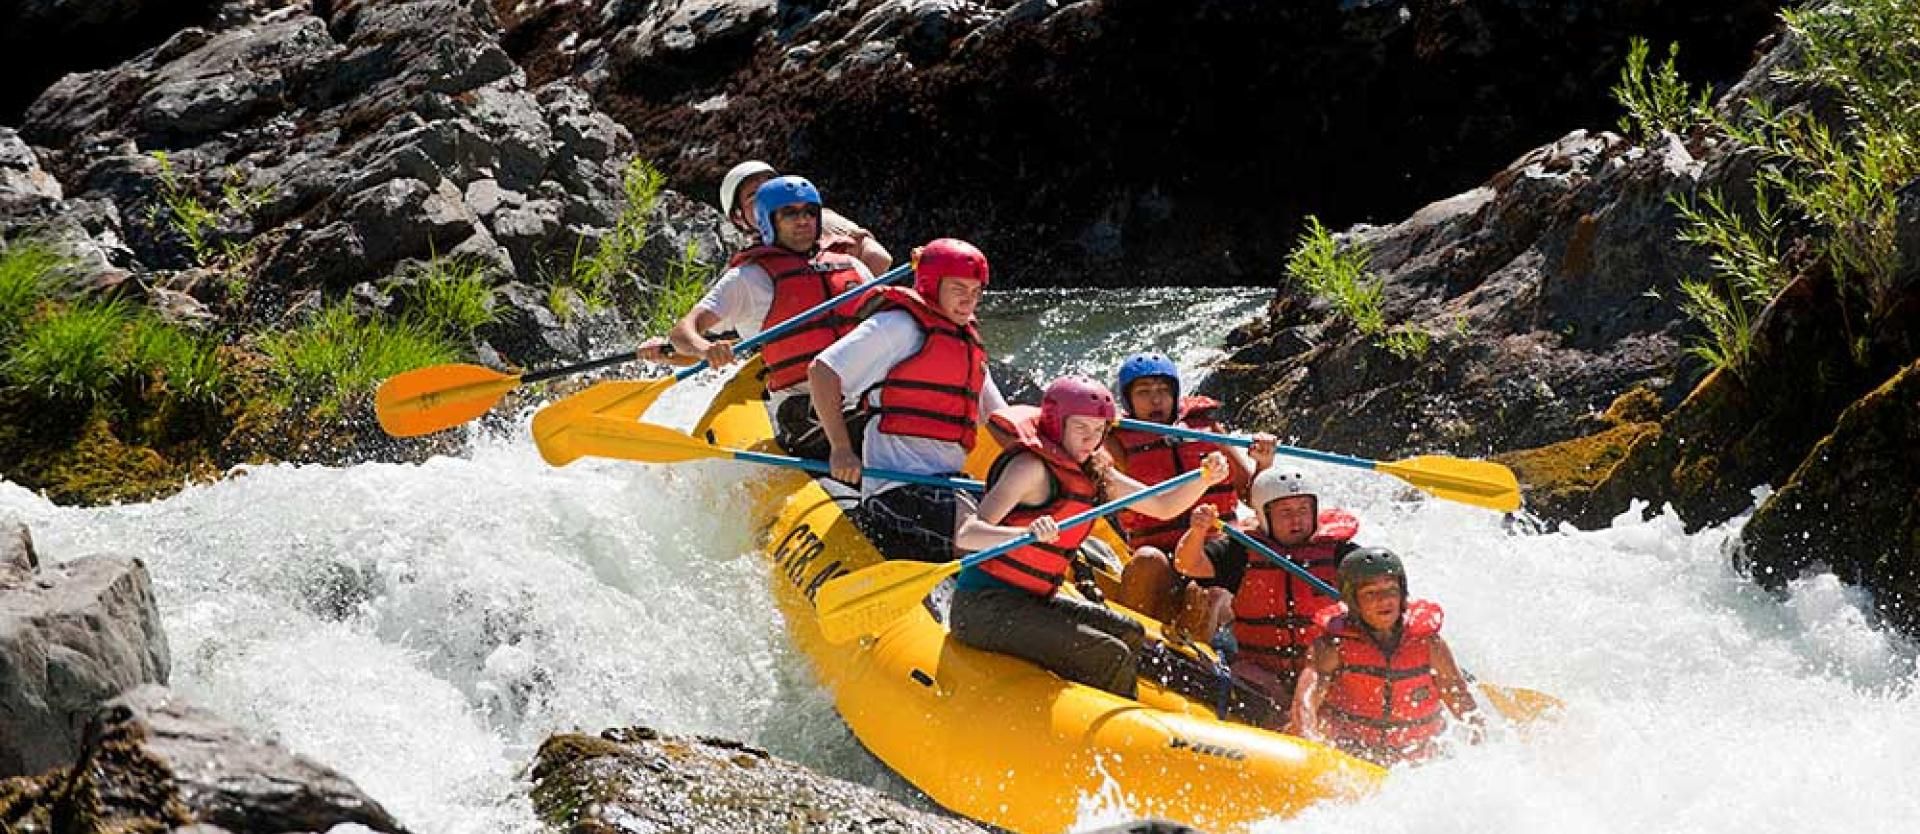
(793, 269)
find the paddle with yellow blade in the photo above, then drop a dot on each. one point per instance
(1478, 482)
(868, 599)
(427, 400)
(1518, 705)
(600, 436)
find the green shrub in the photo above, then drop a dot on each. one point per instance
(27, 268)
(338, 356)
(185, 365)
(73, 354)
(594, 275)
(1339, 277)
(1657, 100)
(1844, 179)
(1748, 273)
(682, 286)
(452, 296)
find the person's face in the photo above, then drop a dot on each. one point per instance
(1152, 399)
(1379, 600)
(743, 212)
(1081, 435)
(797, 227)
(1290, 520)
(959, 298)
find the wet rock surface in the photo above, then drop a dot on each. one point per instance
(637, 779)
(154, 763)
(73, 635)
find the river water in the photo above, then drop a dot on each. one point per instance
(423, 627)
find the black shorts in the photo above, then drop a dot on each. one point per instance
(912, 521)
(797, 428)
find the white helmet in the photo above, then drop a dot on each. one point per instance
(730, 184)
(1277, 483)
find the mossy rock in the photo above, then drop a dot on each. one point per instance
(1559, 480)
(1853, 504)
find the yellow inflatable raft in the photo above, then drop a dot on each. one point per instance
(997, 739)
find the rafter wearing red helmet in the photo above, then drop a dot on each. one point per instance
(918, 370)
(1011, 604)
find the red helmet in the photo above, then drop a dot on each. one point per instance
(946, 258)
(1071, 396)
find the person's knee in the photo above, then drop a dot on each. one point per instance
(1109, 664)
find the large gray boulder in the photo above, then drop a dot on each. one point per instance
(154, 763)
(72, 636)
(636, 779)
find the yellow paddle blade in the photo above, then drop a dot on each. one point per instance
(1481, 483)
(1520, 706)
(865, 601)
(565, 435)
(426, 400)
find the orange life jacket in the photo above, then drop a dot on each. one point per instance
(1040, 568)
(1384, 706)
(1152, 458)
(800, 283)
(1273, 610)
(934, 393)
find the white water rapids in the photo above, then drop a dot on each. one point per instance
(423, 628)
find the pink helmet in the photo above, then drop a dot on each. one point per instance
(946, 258)
(1071, 396)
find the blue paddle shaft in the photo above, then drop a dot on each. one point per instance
(821, 467)
(805, 316)
(1256, 546)
(1230, 440)
(1084, 517)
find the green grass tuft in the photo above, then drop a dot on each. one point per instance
(73, 354)
(452, 296)
(338, 356)
(27, 270)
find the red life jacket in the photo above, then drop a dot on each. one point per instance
(800, 283)
(1152, 458)
(934, 393)
(1040, 568)
(1273, 610)
(1384, 706)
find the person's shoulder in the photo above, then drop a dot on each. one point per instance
(834, 222)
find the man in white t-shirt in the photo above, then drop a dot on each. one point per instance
(794, 269)
(918, 367)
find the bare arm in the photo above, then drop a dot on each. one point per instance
(1213, 470)
(824, 386)
(875, 256)
(1322, 661)
(686, 337)
(1454, 691)
(1190, 556)
(1024, 481)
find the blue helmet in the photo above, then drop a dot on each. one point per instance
(778, 193)
(1145, 365)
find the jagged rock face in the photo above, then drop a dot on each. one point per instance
(636, 779)
(72, 636)
(155, 763)
(383, 133)
(1117, 141)
(1547, 292)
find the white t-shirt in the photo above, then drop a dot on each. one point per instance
(862, 359)
(741, 299)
